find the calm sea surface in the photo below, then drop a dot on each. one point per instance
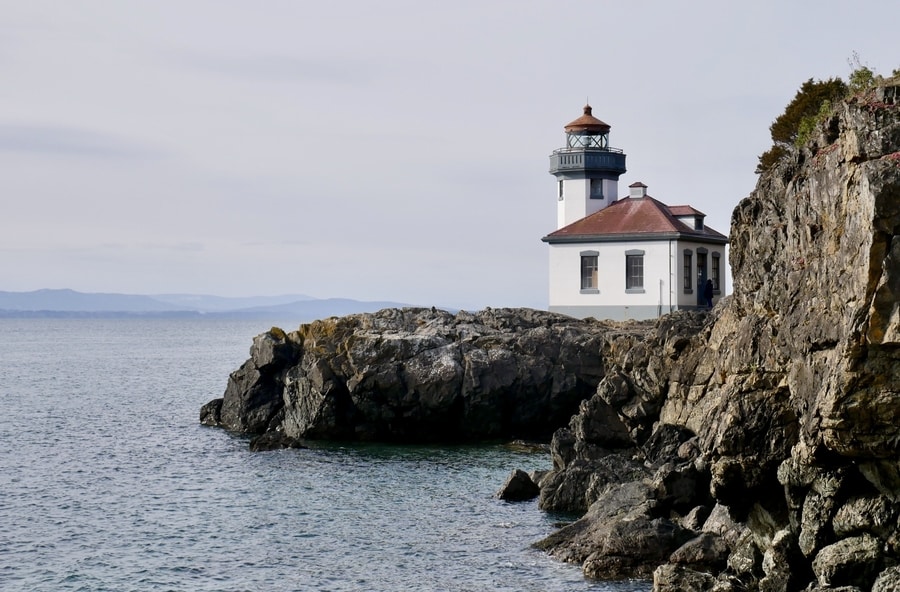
(108, 482)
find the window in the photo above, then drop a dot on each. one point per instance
(688, 271)
(596, 188)
(560, 190)
(634, 271)
(715, 272)
(589, 271)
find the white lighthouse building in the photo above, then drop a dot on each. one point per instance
(628, 258)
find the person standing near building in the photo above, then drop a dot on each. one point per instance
(708, 293)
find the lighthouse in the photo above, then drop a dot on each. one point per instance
(587, 169)
(632, 257)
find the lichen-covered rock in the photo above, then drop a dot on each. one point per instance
(854, 561)
(423, 375)
(678, 578)
(778, 564)
(860, 514)
(887, 581)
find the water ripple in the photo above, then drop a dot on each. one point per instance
(110, 483)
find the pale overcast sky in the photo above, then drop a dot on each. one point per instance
(392, 150)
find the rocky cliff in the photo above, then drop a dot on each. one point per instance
(416, 375)
(756, 447)
(764, 448)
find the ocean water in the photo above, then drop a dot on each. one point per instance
(109, 482)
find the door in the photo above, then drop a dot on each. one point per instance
(701, 278)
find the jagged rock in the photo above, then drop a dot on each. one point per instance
(707, 552)
(538, 478)
(721, 523)
(695, 518)
(745, 560)
(421, 375)
(253, 395)
(884, 475)
(678, 578)
(854, 561)
(571, 543)
(621, 535)
(887, 581)
(210, 413)
(272, 350)
(633, 547)
(865, 514)
(818, 507)
(518, 487)
(562, 448)
(598, 423)
(780, 564)
(577, 487)
(252, 398)
(681, 487)
(666, 442)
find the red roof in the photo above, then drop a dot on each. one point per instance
(587, 123)
(685, 211)
(635, 218)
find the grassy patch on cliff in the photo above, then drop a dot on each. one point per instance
(813, 104)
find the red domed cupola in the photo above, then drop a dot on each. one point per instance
(587, 132)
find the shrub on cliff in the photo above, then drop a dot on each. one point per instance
(806, 103)
(811, 104)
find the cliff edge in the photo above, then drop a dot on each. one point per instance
(765, 448)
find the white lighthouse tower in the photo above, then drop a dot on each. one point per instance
(587, 170)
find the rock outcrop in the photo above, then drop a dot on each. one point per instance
(781, 412)
(755, 447)
(417, 375)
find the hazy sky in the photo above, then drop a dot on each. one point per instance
(392, 150)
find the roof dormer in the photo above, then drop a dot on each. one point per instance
(689, 216)
(637, 190)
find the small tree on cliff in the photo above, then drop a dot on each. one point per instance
(792, 127)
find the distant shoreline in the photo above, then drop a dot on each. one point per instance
(65, 303)
(187, 314)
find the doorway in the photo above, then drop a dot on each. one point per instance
(701, 276)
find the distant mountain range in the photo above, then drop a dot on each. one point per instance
(69, 303)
